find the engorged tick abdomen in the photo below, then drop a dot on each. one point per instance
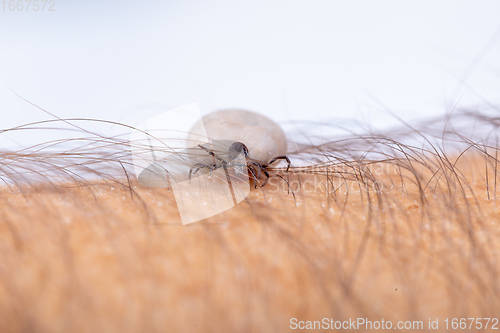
(263, 137)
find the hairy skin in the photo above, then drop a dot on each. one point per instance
(396, 226)
(389, 240)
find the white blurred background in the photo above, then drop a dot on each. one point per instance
(292, 60)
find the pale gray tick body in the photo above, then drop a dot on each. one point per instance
(259, 139)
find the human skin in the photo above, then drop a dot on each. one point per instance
(389, 240)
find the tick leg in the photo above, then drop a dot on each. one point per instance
(283, 157)
(198, 166)
(259, 166)
(267, 178)
(254, 176)
(210, 152)
(212, 166)
(261, 169)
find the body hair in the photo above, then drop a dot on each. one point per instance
(399, 225)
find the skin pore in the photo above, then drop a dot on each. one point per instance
(400, 226)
